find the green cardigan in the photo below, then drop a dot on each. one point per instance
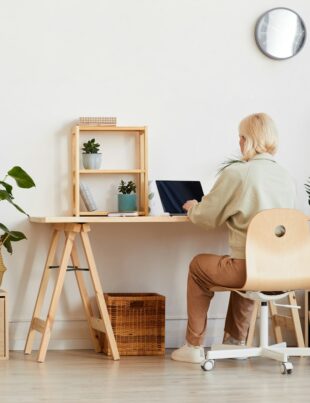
(241, 191)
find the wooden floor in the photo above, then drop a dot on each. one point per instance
(83, 376)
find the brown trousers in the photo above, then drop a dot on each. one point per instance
(205, 272)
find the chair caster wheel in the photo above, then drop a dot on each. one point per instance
(286, 368)
(207, 365)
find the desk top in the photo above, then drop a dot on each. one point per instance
(98, 220)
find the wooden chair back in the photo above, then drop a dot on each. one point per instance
(278, 251)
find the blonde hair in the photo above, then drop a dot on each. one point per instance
(260, 135)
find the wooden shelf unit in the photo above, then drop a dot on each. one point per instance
(141, 172)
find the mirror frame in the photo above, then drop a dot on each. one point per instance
(257, 39)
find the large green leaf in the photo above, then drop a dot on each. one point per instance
(21, 177)
(16, 236)
(7, 187)
(7, 244)
(13, 235)
(4, 195)
(4, 228)
(9, 237)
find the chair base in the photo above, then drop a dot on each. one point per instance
(279, 352)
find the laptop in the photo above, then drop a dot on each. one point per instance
(173, 194)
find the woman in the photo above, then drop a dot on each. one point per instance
(242, 190)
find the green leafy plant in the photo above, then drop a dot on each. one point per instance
(127, 188)
(23, 180)
(227, 163)
(307, 187)
(91, 147)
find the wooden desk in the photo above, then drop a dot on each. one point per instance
(71, 227)
(108, 220)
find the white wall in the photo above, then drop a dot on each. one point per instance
(189, 70)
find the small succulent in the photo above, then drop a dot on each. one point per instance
(127, 188)
(91, 147)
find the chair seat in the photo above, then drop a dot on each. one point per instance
(263, 296)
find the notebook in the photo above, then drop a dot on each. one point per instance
(173, 194)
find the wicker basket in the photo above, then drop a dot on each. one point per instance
(138, 322)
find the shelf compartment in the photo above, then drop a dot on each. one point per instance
(112, 129)
(95, 212)
(105, 214)
(112, 171)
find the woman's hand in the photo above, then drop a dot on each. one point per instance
(189, 204)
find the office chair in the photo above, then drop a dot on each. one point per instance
(277, 261)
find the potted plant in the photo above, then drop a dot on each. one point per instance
(23, 180)
(307, 187)
(127, 198)
(91, 156)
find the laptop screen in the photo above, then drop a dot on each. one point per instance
(173, 194)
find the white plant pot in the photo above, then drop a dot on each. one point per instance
(92, 161)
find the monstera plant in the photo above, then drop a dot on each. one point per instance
(23, 180)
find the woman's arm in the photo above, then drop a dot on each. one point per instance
(221, 202)
(189, 204)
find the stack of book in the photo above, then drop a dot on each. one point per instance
(87, 197)
(97, 121)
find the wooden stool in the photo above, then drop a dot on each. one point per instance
(291, 323)
(101, 324)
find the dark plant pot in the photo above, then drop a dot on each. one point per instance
(127, 202)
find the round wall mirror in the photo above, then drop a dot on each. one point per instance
(280, 33)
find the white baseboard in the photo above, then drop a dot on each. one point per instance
(66, 334)
(74, 334)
